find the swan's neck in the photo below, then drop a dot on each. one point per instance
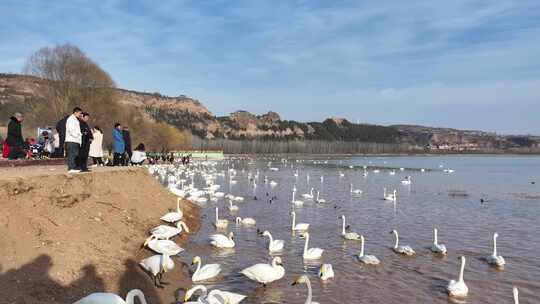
(293, 219)
(516, 296)
(309, 295)
(271, 241)
(306, 243)
(343, 226)
(384, 192)
(130, 297)
(317, 195)
(397, 240)
(435, 237)
(217, 214)
(462, 270)
(494, 246)
(198, 267)
(293, 195)
(178, 205)
(361, 247)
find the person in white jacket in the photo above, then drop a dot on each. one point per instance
(96, 147)
(73, 140)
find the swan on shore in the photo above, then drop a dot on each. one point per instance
(494, 259)
(265, 273)
(246, 221)
(311, 253)
(366, 259)
(111, 298)
(157, 265)
(214, 297)
(405, 250)
(164, 232)
(299, 226)
(167, 247)
(458, 288)
(436, 247)
(305, 280)
(273, 245)
(326, 272)
(348, 235)
(220, 223)
(222, 241)
(205, 272)
(175, 216)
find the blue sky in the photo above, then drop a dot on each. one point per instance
(464, 64)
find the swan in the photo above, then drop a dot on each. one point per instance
(308, 196)
(232, 208)
(162, 246)
(305, 280)
(222, 241)
(355, 191)
(111, 298)
(311, 253)
(391, 196)
(458, 288)
(175, 216)
(366, 259)
(265, 273)
(157, 265)
(406, 181)
(238, 199)
(220, 223)
(247, 221)
(294, 201)
(405, 250)
(341, 174)
(320, 200)
(273, 183)
(494, 259)
(516, 295)
(299, 226)
(164, 232)
(347, 235)
(393, 172)
(326, 272)
(436, 247)
(273, 245)
(215, 296)
(205, 272)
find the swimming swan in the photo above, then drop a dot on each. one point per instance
(162, 246)
(326, 272)
(305, 280)
(295, 201)
(436, 247)
(319, 200)
(265, 273)
(232, 208)
(215, 296)
(247, 221)
(390, 196)
(366, 259)
(175, 216)
(406, 250)
(348, 235)
(164, 232)
(308, 196)
(157, 265)
(299, 226)
(274, 245)
(205, 272)
(458, 288)
(111, 298)
(220, 224)
(494, 259)
(311, 253)
(355, 191)
(222, 241)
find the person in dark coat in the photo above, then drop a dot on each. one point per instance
(61, 129)
(127, 143)
(14, 139)
(87, 137)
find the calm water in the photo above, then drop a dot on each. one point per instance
(511, 208)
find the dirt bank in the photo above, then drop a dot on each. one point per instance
(63, 236)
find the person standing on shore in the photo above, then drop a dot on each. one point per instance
(127, 145)
(15, 140)
(85, 142)
(96, 147)
(73, 140)
(61, 129)
(119, 147)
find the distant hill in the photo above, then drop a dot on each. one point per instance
(191, 115)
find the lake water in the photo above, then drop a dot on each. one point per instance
(509, 186)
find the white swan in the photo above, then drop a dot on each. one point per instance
(326, 272)
(222, 241)
(355, 191)
(516, 295)
(391, 196)
(305, 280)
(295, 201)
(308, 196)
(175, 216)
(406, 181)
(232, 208)
(393, 172)
(220, 224)
(311, 253)
(238, 199)
(205, 272)
(214, 297)
(265, 273)
(157, 265)
(366, 259)
(111, 298)
(458, 288)
(299, 226)
(164, 232)
(319, 200)
(246, 221)
(162, 246)
(494, 259)
(436, 247)
(274, 245)
(405, 250)
(348, 235)
(273, 183)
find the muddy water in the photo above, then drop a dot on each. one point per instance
(450, 202)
